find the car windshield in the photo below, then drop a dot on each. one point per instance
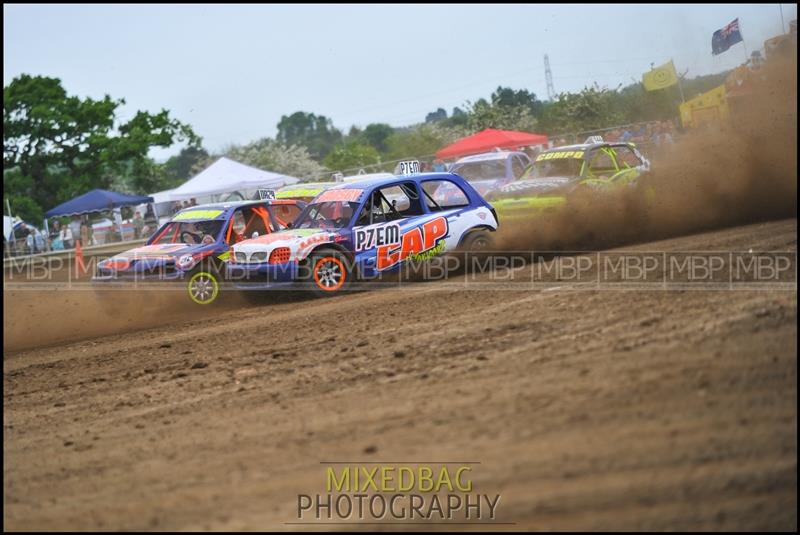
(486, 170)
(329, 214)
(560, 167)
(189, 232)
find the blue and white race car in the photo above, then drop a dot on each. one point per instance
(365, 228)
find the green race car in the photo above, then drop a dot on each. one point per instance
(557, 173)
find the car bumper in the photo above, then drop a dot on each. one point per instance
(261, 275)
(125, 277)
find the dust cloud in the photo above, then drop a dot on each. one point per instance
(738, 174)
(35, 318)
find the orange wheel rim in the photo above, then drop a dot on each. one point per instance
(329, 273)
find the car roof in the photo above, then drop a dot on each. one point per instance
(229, 205)
(305, 186)
(372, 182)
(586, 146)
(301, 185)
(366, 176)
(494, 155)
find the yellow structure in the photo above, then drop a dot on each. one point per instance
(709, 107)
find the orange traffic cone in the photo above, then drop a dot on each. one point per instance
(80, 266)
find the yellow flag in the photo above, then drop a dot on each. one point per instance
(660, 77)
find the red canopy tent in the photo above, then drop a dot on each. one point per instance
(488, 140)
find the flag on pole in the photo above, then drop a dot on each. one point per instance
(725, 38)
(660, 77)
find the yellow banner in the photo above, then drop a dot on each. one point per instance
(660, 77)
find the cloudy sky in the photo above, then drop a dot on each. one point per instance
(232, 71)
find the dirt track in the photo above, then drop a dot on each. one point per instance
(587, 409)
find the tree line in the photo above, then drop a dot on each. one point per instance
(56, 145)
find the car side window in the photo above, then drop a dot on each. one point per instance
(398, 198)
(443, 194)
(283, 214)
(625, 155)
(257, 221)
(390, 204)
(238, 222)
(601, 162)
(375, 210)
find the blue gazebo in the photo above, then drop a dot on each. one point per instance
(96, 200)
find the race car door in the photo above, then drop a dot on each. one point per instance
(392, 228)
(445, 198)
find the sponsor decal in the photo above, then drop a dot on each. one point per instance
(376, 235)
(340, 195)
(155, 250)
(312, 241)
(285, 235)
(197, 214)
(559, 155)
(415, 241)
(116, 263)
(427, 255)
(186, 261)
(301, 192)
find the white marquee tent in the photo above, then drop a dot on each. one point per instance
(161, 196)
(227, 176)
(9, 224)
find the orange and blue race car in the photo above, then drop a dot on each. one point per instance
(194, 245)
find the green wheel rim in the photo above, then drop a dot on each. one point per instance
(203, 288)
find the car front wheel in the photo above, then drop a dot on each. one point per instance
(203, 286)
(330, 273)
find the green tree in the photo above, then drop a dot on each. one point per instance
(350, 156)
(376, 135)
(458, 118)
(181, 167)
(353, 133)
(506, 109)
(436, 116)
(418, 142)
(591, 108)
(315, 132)
(63, 145)
(505, 97)
(482, 115)
(274, 156)
(18, 189)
